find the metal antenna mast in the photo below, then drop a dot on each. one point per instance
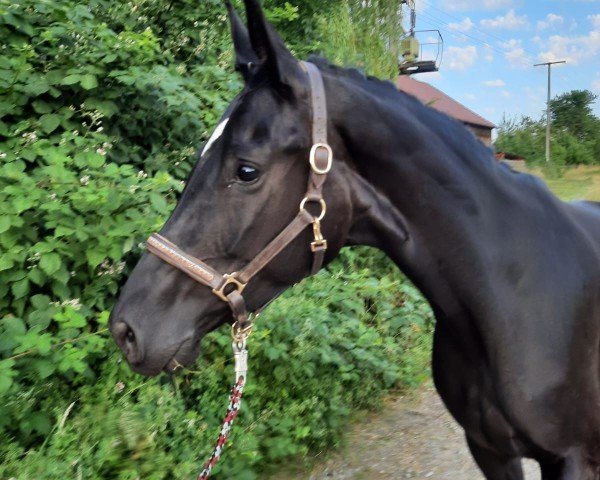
(548, 116)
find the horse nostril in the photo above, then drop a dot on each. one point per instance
(130, 336)
(126, 339)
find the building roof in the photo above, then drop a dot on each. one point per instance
(440, 101)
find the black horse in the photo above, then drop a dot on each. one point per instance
(512, 273)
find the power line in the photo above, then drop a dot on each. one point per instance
(440, 23)
(462, 35)
(491, 35)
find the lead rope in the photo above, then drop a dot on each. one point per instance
(240, 355)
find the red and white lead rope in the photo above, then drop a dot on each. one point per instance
(232, 411)
(241, 368)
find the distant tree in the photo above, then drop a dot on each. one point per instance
(572, 111)
(524, 137)
(575, 132)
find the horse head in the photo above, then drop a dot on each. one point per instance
(244, 190)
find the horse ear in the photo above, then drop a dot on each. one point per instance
(278, 62)
(245, 57)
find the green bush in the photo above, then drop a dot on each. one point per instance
(333, 344)
(95, 126)
(102, 106)
(575, 133)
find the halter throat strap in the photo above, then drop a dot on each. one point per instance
(229, 287)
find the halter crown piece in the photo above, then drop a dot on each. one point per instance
(229, 287)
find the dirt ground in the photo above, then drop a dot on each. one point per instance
(412, 437)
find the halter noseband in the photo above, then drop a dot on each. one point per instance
(229, 287)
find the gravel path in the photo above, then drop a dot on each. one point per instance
(413, 437)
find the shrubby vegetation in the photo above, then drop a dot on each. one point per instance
(102, 106)
(575, 132)
(334, 344)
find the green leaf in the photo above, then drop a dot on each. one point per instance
(40, 422)
(54, 77)
(40, 302)
(23, 203)
(62, 231)
(41, 107)
(62, 275)
(44, 368)
(5, 263)
(41, 318)
(37, 87)
(106, 107)
(95, 160)
(158, 202)
(89, 81)
(50, 122)
(4, 223)
(36, 276)
(20, 288)
(76, 320)
(103, 317)
(13, 325)
(95, 257)
(70, 79)
(5, 382)
(50, 263)
(128, 244)
(29, 154)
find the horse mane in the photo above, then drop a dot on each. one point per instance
(385, 86)
(451, 131)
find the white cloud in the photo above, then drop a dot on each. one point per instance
(574, 49)
(462, 5)
(460, 58)
(464, 26)
(510, 21)
(495, 83)
(515, 54)
(552, 20)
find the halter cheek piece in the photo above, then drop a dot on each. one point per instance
(229, 287)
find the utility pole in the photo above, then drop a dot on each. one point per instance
(548, 117)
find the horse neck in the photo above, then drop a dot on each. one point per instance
(421, 187)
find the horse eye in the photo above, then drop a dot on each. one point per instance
(247, 173)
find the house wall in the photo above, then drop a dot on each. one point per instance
(482, 133)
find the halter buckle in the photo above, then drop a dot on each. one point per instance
(229, 280)
(320, 243)
(313, 159)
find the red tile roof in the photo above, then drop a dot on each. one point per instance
(437, 99)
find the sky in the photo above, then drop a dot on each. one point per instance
(490, 47)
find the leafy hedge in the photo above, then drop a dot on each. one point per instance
(102, 106)
(332, 345)
(96, 124)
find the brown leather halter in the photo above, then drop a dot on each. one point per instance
(229, 287)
